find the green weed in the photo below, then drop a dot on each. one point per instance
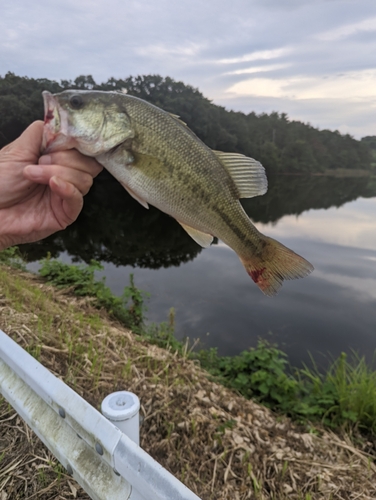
(345, 395)
(259, 373)
(12, 257)
(42, 477)
(58, 470)
(342, 396)
(228, 424)
(163, 334)
(81, 280)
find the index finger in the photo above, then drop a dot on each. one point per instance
(73, 159)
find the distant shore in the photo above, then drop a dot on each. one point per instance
(338, 172)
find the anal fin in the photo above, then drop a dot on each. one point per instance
(203, 239)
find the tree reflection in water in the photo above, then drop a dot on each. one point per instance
(113, 227)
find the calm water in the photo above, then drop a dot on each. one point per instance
(330, 221)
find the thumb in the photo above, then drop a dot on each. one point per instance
(30, 142)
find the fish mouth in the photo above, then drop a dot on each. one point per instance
(52, 122)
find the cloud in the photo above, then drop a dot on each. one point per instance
(296, 56)
(257, 69)
(257, 56)
(347, 30)
(350, 85)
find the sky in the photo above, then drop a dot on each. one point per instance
(314, 60)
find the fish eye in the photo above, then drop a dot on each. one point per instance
(76, 102)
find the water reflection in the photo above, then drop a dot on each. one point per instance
(296, 194)
(113, 227)
(351, 225)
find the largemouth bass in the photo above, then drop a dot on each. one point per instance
(161, 162)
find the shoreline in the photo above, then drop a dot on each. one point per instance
(221, 445)
(338, 172)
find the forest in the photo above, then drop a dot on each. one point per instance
(282, 145)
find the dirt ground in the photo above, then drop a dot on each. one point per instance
(219, 444)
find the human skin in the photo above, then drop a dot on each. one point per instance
(40, 194)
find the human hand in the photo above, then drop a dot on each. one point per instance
(40, 195)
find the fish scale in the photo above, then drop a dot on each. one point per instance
(160, 135)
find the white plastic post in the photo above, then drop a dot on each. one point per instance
(122, 409)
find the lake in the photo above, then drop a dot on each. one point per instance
(328, 220)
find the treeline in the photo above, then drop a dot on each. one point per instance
(280, 144)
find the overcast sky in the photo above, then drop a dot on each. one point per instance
(314, 60)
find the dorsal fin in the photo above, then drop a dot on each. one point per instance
(177, 117)
(247, 173)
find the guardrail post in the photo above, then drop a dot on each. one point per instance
(122, 409)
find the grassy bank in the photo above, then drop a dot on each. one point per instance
(342, 397)
(221, 445)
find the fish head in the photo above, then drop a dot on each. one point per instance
(90, 121)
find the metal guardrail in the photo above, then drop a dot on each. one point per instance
(100, 457)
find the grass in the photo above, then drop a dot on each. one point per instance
(220, 444)
(343, 397)
(82, 282)
(12, 257)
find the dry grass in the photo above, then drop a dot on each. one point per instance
(219, 444)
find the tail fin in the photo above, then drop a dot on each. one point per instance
(275, 264)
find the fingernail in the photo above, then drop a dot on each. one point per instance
(45, 160)
(59, 182)
(56, 180)
(34, 170)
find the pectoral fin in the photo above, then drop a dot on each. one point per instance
(247, 173)
(203, 239)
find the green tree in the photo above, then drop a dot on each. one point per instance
(280, 144)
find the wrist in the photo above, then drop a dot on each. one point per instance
(6, 242)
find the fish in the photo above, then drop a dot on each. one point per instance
(161, 162)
